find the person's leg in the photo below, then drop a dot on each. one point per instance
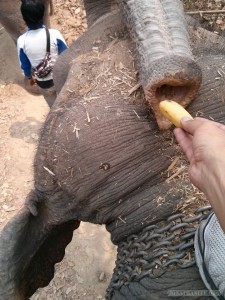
(49, 95)
(210, 255)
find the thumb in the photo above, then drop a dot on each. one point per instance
(189, 125)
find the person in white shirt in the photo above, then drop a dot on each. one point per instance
(31, 47)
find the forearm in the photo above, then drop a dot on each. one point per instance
(25, 64)
(214, 189)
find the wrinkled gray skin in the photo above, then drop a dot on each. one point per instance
(101, 156)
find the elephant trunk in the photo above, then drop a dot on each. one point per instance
(166, 65)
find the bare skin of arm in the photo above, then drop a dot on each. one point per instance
(203, 142)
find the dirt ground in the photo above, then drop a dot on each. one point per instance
(87, 267)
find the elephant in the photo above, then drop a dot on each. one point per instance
(105, 151)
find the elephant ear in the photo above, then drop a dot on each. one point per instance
(29, 249)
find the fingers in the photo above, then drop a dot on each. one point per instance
(219, 125)
(191, 126)
(185, 141)
(32, 81)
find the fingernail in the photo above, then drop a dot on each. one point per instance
(184, 119)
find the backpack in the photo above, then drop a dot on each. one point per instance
(45, 67)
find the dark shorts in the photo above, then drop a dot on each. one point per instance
(45, 84)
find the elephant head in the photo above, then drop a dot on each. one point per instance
(102, 157)
(167, 69)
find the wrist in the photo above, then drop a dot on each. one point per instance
(215, 193)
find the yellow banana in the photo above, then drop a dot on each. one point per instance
(173, 111)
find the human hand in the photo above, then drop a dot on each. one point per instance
(31, 86)
(32, 81)
(203, 142)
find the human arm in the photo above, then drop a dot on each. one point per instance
(61, 46)
(203, 142)
(25, 64)
(61, 43)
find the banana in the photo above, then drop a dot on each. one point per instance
(173, 111)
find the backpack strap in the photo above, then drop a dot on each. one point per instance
(48, 40)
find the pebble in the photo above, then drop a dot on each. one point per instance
(102, 276)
